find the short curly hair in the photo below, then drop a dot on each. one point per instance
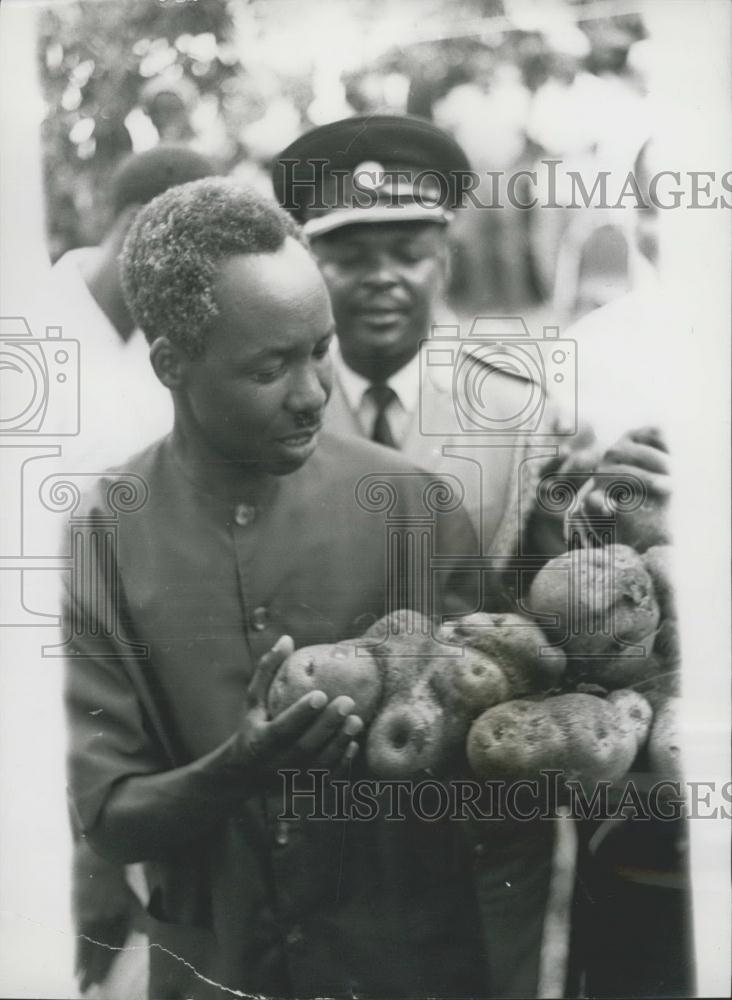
(170, 256)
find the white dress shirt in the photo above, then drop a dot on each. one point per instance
(400, 412)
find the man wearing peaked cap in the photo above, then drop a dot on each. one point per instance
(375, 195)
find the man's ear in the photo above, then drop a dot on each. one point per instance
(447, 266)
(168, 362)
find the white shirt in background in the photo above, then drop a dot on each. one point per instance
(123, 407)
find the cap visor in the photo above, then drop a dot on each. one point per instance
(341, 217)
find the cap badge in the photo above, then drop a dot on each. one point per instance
(369, 175)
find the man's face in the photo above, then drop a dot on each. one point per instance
(169, 116)
(258, 393)
(383, 280)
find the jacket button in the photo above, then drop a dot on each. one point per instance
(244, 514)
(260, 619)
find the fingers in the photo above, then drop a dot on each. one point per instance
(649, 435)
(332, 731)
(267, 667)
(637, 455)
(310, 730)
(342, 748)
(342, 768)
(652, 484)
(284, 731)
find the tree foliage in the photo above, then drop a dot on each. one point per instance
(95, 57)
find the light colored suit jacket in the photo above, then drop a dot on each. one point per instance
(498, 473)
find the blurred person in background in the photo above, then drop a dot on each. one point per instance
(630, 337)
(123, 408)
(487, 117)
(589, 114)
(121, 402)
(169, 103)
(599, 261)
(171, 109)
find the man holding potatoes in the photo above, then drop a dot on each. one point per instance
(219, 547)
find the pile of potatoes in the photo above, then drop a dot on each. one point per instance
(584, 683)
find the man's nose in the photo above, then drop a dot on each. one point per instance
(382, 272)
(310, 390)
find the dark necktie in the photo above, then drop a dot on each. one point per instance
(382, 396)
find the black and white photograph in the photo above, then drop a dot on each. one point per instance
(365, 599)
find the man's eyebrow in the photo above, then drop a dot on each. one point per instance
(267, 352)
(264, 352)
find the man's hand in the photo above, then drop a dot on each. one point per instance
(312, 731)
(105, 910)
(144, 815)
(641, 454)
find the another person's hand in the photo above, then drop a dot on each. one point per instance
(311, 732)
(105, 911)
(639, 462)
(644, 453)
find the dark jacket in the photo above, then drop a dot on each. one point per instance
(174, 597)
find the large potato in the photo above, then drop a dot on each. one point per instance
(513, 643)
(585, 737)
(431, 693)
(407, 737)
(342, 669)
(604, 604)
(468, 684)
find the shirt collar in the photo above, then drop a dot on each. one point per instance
(405, 383)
